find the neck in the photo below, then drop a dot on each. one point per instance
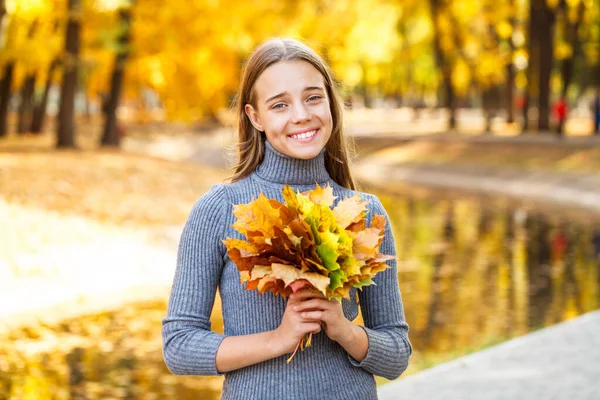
(281, 168)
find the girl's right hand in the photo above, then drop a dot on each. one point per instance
(293, 326)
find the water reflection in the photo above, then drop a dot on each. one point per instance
(471, 275)
(474, 273)
(108, 356)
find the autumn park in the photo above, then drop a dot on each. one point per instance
(475, 122)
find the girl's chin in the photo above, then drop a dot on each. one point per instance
(305, 154)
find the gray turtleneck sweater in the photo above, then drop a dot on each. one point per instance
(323, 371)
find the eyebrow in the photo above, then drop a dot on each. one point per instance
(306, 89)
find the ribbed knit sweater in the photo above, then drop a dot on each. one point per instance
(323, 371)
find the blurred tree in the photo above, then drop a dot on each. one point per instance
(509, 65)
(26, 104)
(27, 87)
(190, 57)
(50, 52)
(413, 75)
(39, 110)
(7, 67)
(110, 136)
(442, 45)
(5, 93)
(2, 15)
(70, 65)
(572, 15)
(542, 18)
(27, 50)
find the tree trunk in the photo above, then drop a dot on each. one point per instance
(488, 112)
(26, 106)
(5, 85)
(111, 136)
(510, 93)
(572, 37)
(533, 68)
(510, 71)
(39, 110)
(450, 98)
(545, 19)
(443, 65)
(2, 14)
(69, 83)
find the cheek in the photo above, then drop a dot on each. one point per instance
(275, 124)
(324, 114)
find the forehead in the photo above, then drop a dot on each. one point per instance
(287, 76)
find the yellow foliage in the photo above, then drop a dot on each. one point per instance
(563, 50)
(504, 30)
(489, 71)
(461, 76)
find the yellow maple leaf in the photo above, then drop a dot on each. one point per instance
(365, 243)
(349, 210)
(288, 274)
(259, 215)
(322, 196)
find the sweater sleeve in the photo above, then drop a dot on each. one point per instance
(381, 306)
(189, 345)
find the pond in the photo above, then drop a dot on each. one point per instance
(473, 272)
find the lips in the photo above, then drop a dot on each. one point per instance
(304, 135)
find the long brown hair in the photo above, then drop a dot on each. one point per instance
(251, 147)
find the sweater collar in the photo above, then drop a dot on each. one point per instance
(281, 168)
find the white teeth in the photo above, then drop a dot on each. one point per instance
(305, 135)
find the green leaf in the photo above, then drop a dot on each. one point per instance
(365, 282)
(328, 250)
(337, 279)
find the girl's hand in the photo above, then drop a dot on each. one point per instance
(293, 326)
(314, 306)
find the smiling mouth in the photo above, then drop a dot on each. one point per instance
(304, 135)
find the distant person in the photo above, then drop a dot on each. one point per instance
(560, 113)
(523, 108)
(290, 132)
(559, 245)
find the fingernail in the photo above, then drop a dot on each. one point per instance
(295, 308)
(303, 315)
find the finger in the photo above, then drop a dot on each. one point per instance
(314, 327)
(311, 304)
(305, 294)
(299, 296)
(313, 315)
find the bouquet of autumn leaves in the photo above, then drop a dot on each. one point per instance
(305, 243)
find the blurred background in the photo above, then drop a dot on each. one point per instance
(476, 123)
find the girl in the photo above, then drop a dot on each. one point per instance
(290, 132)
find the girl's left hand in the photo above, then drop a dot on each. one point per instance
(315, 306)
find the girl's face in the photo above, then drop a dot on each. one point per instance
(292, 108)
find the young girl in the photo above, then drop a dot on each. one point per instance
(290, 132)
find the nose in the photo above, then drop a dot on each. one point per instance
(300, 114)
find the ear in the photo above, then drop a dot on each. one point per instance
(253, 116)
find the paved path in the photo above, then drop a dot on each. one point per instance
(559, 362)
